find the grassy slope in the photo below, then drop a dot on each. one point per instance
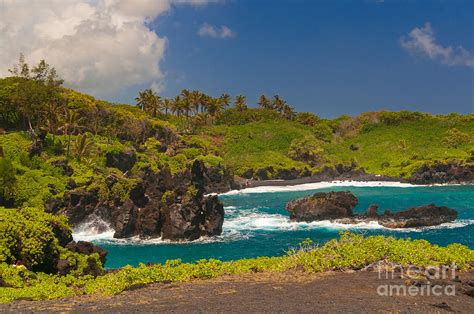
(259, 144)
(382, 144)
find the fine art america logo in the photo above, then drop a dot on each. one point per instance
(419, 281)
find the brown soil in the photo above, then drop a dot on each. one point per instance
(288, 292)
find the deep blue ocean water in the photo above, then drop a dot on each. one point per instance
(257, 224)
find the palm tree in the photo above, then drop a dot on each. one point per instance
(240, 104)
(264, 102)
(288, 112)
(278, 103)
(186, 101)
(177, 105)
(195, 99)
(214, 107)
(144, 98)
(50, 115)
(83, 146)
(71, 122)
(149, 102)
(166, 104)
(225, 100)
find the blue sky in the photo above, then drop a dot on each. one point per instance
(325, 57)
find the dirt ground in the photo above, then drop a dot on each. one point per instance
(353, 292)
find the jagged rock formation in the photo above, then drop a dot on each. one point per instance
(439, 172)
(338, 206)
(161, 205)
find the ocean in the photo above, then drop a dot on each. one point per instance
(257, 224)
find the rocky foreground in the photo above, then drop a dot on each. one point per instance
(338, 207)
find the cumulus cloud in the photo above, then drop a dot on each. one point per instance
(422, 41)
(212, 31)
(98, 46)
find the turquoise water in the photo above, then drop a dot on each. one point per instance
(257, 224)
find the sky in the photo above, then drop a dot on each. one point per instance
(326, 57)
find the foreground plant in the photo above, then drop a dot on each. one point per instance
(351, 251)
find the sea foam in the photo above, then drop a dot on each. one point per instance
(319, 185)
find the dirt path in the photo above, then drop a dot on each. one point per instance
(289, 292)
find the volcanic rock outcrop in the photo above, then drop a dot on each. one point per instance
(161, 205)
(338, 206)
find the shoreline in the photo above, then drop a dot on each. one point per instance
(305, 184)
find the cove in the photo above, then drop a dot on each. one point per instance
(257, 224)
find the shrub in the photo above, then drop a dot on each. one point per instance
(455, 138)
(32, 236)
(395, 118)
(7, 179)
(323, 132)
(307, 118)
(306, 149)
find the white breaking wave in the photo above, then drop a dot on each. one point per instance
(92, 230)
(254, 221)
(320, 185)
(241, 224)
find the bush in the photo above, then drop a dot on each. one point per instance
(33, 237)
(395, 118)
(455, 138)
(307, 150)
(322, 132)
(307, 118)
(7, 179)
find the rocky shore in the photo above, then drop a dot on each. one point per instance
(338, 206)
(160, 205)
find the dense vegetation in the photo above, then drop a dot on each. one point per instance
(54, 140)
(349, 252)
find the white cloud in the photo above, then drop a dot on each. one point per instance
(98, 46)
(423, 41)
(222, 32)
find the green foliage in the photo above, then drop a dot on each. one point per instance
(306, 149)
(385, 149)
(455, 138)
(307, 118)
(395, 118)
(322, 131)
(260, 144)
(7, 178)
(30, 235)
(351, 251)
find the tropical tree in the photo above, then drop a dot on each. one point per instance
(240, 103)
(186, 101)
(35, 88)
(166, 104)
(195, 98)
(70, 124)
(177, 105)
(288, 112)
(83, 146)
(215, 107)
(149, 102)
(278, 103)
(225, 100)
(264, 102)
